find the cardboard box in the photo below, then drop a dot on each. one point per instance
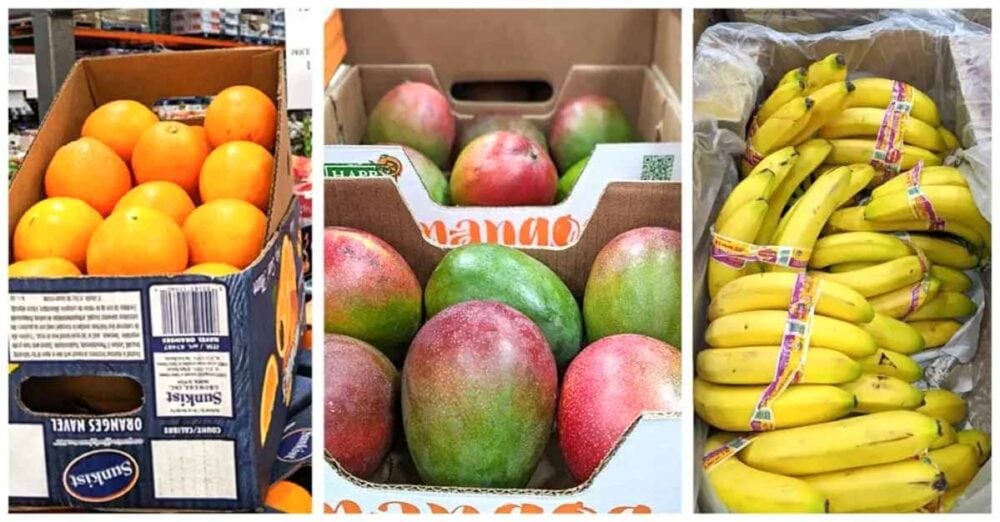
(630, 55)
(182, 430)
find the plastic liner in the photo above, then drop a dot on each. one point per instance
(940, 52)
(823, 20)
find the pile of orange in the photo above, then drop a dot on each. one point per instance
(138, 196)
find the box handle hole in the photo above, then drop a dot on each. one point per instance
(516, 91)
(81, 394)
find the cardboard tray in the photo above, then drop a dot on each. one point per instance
(204, 452)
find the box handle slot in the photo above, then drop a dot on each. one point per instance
(514, 91)
(81, 394)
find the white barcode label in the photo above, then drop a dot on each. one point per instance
(179, 310)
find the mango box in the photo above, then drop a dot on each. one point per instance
(145, 393)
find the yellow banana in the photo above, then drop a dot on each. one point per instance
(896, 487)
(773, 291)
(896, 304)
(950, 140)
(756, 365)
(948, 436)
(757, 186)
(730, 407)
(810, 155)
(949, 202)
(847, 247)
(945, 405)
(929, 177)
(829, 100)
(892, 364)
(951, 280)
(852, 219)
(842, 444)
(851, 150)
(862, 175)
(767, 327)
(781, 95)
(877, 393)
(978, 440)
(806, 220)
(947, 501)
(779, 162)
(936, 333)
(853, 265)
(945, 305)
(746, 490)
(741, 226)
(832, 68)
(782, 126)
(894, 335)
(865, 122)
(878, 92)
(880, 278)
(944, 252)
(958, 462)
(797, 74)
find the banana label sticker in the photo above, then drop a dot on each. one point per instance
(919, 202)
(920, 292)
(736, 254)
(887, 154)
(719, 455)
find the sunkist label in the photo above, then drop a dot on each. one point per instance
(101, 475)
(295, 446)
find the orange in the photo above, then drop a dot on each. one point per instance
(43, 267)
(118, 124)
(89, 170)
(288, 497)
(137, 241)
(170, 151)
(238, 169)
(56, 227)
(227, 231)
(212, 269)
(241, 112)
(164, 196)
(269, 390)
(201, 132)
(286, 303)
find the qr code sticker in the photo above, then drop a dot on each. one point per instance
(657, 168)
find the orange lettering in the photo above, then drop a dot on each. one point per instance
(524, 509)
(436, 231)
(404, 507)
(344, 506)
(638, 508)
(463, 509)
(466, 232)
(576, 507)
(565, 231)
(535, 232)
(501, 233)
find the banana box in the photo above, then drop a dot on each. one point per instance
(164, 393)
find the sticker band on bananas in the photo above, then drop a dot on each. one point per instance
(750, 156)
(719, 455)
(736, 254)
(919, 202)
(920, 292)
(794, 349)
(887, 154)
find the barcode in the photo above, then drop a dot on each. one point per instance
(189, 310)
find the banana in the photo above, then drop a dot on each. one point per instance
(950, 140)
(945, 405)
(829, 100)
(978, 440)
(773, 291)
(806, 220)
(936, 333)
(779, 162)
(951, 280)
(929, 177)
(797, 74)
(767, 327)
(897, 487)
(877, 93)
(891, 364)
(862, 175)
(847, 247)
(945, 305)
(782, 126)
(950, 497)
(847, 267)
(730, 407)
(950, 203)
(810, 155)
(741, 226)
(781, 95)
(865, 122)
(958, 462)
(757, 186)
(877, 393)
(756, 365)
(944, 252)
(896, 304)
(880, 278)
(848, 443)
(746, 490)
(832, 68)
(853, 219)
(948, 436)
(851, 150)
(894, 335)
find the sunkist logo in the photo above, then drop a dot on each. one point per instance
(101, 475)
(295, 446)
(535, 232)
(194, 399)
(385, 165)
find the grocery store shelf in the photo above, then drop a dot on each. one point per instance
(166, 40)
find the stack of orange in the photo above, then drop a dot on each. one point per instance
(138, 196)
